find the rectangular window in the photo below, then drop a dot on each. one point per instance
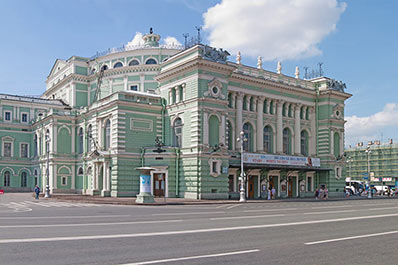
(7, 116)
(231, 183)
(7, 149)
(214, 167)
(309, 183)
(24, 150)
(24, 117)
(64, 181)
(134, 87)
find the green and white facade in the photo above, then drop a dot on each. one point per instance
(196, 102)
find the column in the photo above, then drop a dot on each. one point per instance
(110, 83)
(233, 97)
(222, 132)
(73, 130)
(331, 142)
(142, 82)
(104, 177)
(260, 124)
(73, 177)
(177, 88)
(239, 111)
(279, 129)
(125, 83)
(297, 129)
(205, 128)
(73, 89)
(312, 139)
(170, 96)
(183, 91)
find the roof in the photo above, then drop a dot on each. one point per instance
(32, 99)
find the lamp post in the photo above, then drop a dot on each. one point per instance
(368, 153)
(242, 139)
(47, 192)
(349, 171)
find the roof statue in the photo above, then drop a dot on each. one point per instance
(238, 58)
(150, 31)
(259, 62)
(297, 72)
(279, 68)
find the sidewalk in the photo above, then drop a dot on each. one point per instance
(184, 201)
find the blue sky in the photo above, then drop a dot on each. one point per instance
(361, 50)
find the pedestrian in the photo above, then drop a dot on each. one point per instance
(347, 193)
(316, 194)
(269, 193)
(37, 192)
(325, 193)
(321, 193)
(273, 191)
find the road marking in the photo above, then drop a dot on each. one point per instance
(246, 217)
(349, 238)
(194, 257)
(337, 206)
(342, 211)
(384, 208)
(90, 224)
(269, 210)
(181, 232)
(233, 206)
(63, 217)
(222, 206)
(157, 214)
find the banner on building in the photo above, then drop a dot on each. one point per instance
(281, 160)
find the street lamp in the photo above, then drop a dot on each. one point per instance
(47, 192)
(242, 139)
(349, 171)
(368, 153)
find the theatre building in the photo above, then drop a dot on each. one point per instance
(178, 110)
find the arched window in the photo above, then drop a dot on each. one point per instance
(229, 100)
(248, 132)
(117, 65)
(284, 109)
(177, 132)
(104, 67)
(151, 61)
(23, 179)
(80, 134)
(271, 107)
(251, 104)
(268, 139)
(244, 105)
(107, 135)
(35, 145)
(336, 142)
(265, 106)
(286, 141)
(304, 142)
(229, 136)
(89, 138)
(47, 139)
(134, 62)
(302, 112)
(7, 179)
(214, 130)
(80, 171)
(93, 71)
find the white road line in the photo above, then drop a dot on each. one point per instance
(247, 217)
(194, 257)
(182, 232)
(351, 237)
(222, 206)
(337, 206)
(90, 224)
(383, 208)
(270, 210)
(233, 206)
(342, 211)
(62, 217)
(157, 214)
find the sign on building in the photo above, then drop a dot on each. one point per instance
(281, 160)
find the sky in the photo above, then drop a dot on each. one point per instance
(356, 40)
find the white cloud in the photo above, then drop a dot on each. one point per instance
(137, 40)
(171, 41)
(273, 29)
(364, 129)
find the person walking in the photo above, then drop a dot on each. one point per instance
(37, 192)
(273, 191)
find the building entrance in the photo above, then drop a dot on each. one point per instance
(273, 183)
(159, 180)
(252, 187)
(291, 185)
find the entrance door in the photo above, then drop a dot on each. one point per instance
(290, 187)
(273, 183)
(159, 180)
(251, 187)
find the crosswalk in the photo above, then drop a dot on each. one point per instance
(23, 205)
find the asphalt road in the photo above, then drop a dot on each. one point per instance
(314, 232)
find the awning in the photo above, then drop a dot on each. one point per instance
(278, 167)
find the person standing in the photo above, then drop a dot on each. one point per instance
(269, 193)
(273, 191)
(37, 192)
